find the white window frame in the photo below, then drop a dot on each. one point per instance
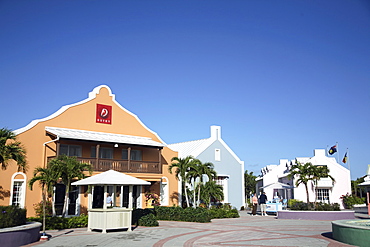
(224, 182)
(217, 154)
(164, 191)
(320, 191)
(22, 197)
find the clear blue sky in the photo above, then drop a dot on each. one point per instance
(281, 78)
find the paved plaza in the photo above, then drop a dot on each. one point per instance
(244, 231)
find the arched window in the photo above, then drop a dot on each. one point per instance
(164, 191)
(18, 189)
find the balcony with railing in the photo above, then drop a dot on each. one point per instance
(126, 166)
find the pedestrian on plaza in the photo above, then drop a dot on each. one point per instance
(254, 204)
(262, 201)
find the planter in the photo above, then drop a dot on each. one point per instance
(20, 235)
(316, 215)
(354, 232)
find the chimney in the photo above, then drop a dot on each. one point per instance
(319, 152)
(215, 132)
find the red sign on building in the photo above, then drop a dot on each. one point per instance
(103, 114)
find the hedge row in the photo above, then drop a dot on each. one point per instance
(12, 216)
(201, 215)
(52, 223)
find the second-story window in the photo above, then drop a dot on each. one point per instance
(104, 153)
(217, 154)
(70, 150)
(135, 154)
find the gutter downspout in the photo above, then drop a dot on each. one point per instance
(57, 139)
(44, 236)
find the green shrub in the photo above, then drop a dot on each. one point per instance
(199, 214)
(319, 206)
(301, 206)
(138, 213)
(57, 223)
(39, 209)
(148, 220)
(77, 221)
(291, 202)
(327, 207)
(169, 213)
(220, 212)
(12, 216)
(350, 200)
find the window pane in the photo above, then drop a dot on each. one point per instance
(135, 154)
(17, 193)
(106, 153)
(75, 151)
(63, 149)
(93, 152)
(124, 154)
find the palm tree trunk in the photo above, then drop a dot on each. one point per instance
(43, 209)
(66, 198)
(199, 194)
(53, 206)
(308, 197)
(186, 196)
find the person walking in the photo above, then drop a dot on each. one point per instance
(262, 201)
(254, 204)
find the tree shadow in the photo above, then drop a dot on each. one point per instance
(174, 197)
(4, 193)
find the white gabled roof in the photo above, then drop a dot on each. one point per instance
(193, 148)
(102, 137)
(111, 177)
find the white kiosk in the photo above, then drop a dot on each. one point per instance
(113, 217)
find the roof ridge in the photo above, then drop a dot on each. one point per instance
(188, 141)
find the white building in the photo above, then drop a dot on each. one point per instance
(274, 180)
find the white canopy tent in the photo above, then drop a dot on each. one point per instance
(111, 177)
(110, 218)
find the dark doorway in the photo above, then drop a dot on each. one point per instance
(98, 197)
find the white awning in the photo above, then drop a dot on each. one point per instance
(278, 185)
(102, 137)
(111, 177)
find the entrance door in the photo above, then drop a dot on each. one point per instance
(73, 195)
(60, 192)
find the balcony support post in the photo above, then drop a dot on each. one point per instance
(160, 159)
(129, 158)
(97, 155)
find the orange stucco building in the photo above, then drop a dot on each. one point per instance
(99, 131)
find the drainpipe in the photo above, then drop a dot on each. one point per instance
(44, 237)
(57, 139)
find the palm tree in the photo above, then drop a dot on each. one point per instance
(11, 149)
(206, 169)
(250, 183)
(320, 172)
(182, 166)
(212, 190)
(47, 177)
(305, 173)
(69, 168)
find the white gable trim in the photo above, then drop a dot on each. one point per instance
(92, 95)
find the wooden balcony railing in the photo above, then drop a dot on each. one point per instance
(132, 166)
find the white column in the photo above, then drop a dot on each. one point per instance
(130, 196)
